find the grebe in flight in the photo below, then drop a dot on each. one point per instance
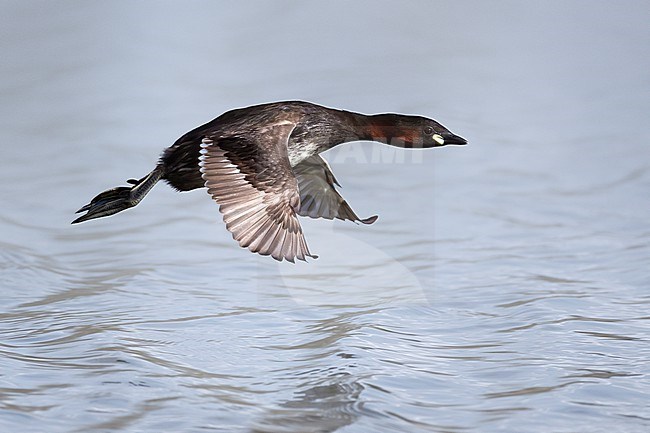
(261, 164)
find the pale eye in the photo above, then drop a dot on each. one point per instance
(428, 130)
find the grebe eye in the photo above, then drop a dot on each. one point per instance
(428, 130)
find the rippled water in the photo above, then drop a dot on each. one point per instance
(505, 286)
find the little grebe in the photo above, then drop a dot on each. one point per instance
(261, 164)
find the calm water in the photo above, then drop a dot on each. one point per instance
(505, 286)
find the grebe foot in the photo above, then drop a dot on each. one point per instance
(120, 198)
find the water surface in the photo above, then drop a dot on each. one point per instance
(503, 288)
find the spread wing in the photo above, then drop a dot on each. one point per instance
(256, 191)
(318, 197)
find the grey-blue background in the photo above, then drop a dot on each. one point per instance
(505, 286)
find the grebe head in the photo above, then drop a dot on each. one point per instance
(410, 131)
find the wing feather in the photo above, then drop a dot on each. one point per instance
(257, 191)
(318, 196)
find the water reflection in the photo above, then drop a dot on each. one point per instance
(326, 406)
